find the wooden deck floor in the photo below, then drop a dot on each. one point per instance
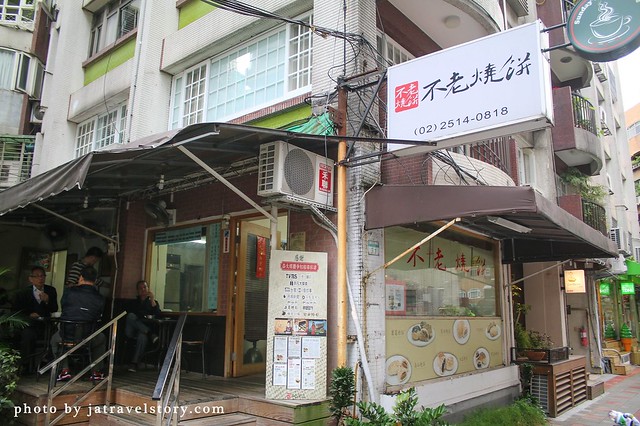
(143, 382)
(236, 395)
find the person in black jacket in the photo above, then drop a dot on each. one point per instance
(143, 306)
(35, 301)
(82, 302)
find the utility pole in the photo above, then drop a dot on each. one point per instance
(341, 187)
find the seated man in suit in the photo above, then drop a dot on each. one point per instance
(35, 301)
(144, 305)
(82, 302)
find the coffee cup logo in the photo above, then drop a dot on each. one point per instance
(608, 25)
(604, 30)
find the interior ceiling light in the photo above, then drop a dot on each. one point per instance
(508, 224)
(452, 21)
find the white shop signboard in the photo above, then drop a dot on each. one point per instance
(297, 326)
(494, 86)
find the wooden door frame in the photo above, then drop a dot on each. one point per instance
(238, 368)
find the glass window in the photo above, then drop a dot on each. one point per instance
(113, 21)
(195, 84)
(17, 11)
(84, 138)
(7, 60)
(390, 52)
(102, 131)
(270, 68)
(179, 276)
(23, 72)
(452, 276)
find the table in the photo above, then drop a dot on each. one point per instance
(163, 327)
(50, 327)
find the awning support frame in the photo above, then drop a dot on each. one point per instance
(226, 183)
(79, 225)
(418, 244)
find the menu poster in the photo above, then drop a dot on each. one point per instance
(279, 375)
(311, 347)
(279, 349)
(308, 373)
(295, 347)
(294, 373)
(297, 325)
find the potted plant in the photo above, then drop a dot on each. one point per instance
(626, 337)
(540, 344)
(609, 332)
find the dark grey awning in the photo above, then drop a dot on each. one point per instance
(133, 170)
(555, 234)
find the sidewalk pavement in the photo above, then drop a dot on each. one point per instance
(622, 393)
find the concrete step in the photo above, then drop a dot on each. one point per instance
(134, 419)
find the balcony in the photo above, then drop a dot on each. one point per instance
(575, 134)
(16, 155)
(589, 212)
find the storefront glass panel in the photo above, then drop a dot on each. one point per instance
(441, 305)
(179, 276)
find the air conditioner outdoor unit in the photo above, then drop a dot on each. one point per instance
(285, 169)
(37, 113)
(620, 238)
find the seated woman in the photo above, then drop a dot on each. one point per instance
(144, 305)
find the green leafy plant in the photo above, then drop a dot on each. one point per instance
(609, 332)
(625, 331)
(404, 413)
(9, 358)
(341, 390)
(590, 192)
(9, 362)
(540, 340)
(524, 412)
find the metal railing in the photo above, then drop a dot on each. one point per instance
(493, 151)
(16, 156)
(584, 114)
(167, 390)
(53, 366)
(595, 216)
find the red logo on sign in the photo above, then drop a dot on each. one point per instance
(324, 178)
(406, 96)
(299, 266)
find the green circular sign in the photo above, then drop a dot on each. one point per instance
(604, 31)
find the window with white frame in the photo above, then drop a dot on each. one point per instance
(102, 131)
(113, 21)
(268, 69)
(633, 130)
(22, 72)
(17, 11)
(390, 52)
(526, 167)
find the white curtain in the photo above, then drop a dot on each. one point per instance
(6, 68)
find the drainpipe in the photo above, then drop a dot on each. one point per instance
(341, 187)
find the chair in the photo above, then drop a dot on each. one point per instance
(197, 346)
(73, 333)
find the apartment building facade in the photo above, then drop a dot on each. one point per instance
(24, 31)
(138, 76)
